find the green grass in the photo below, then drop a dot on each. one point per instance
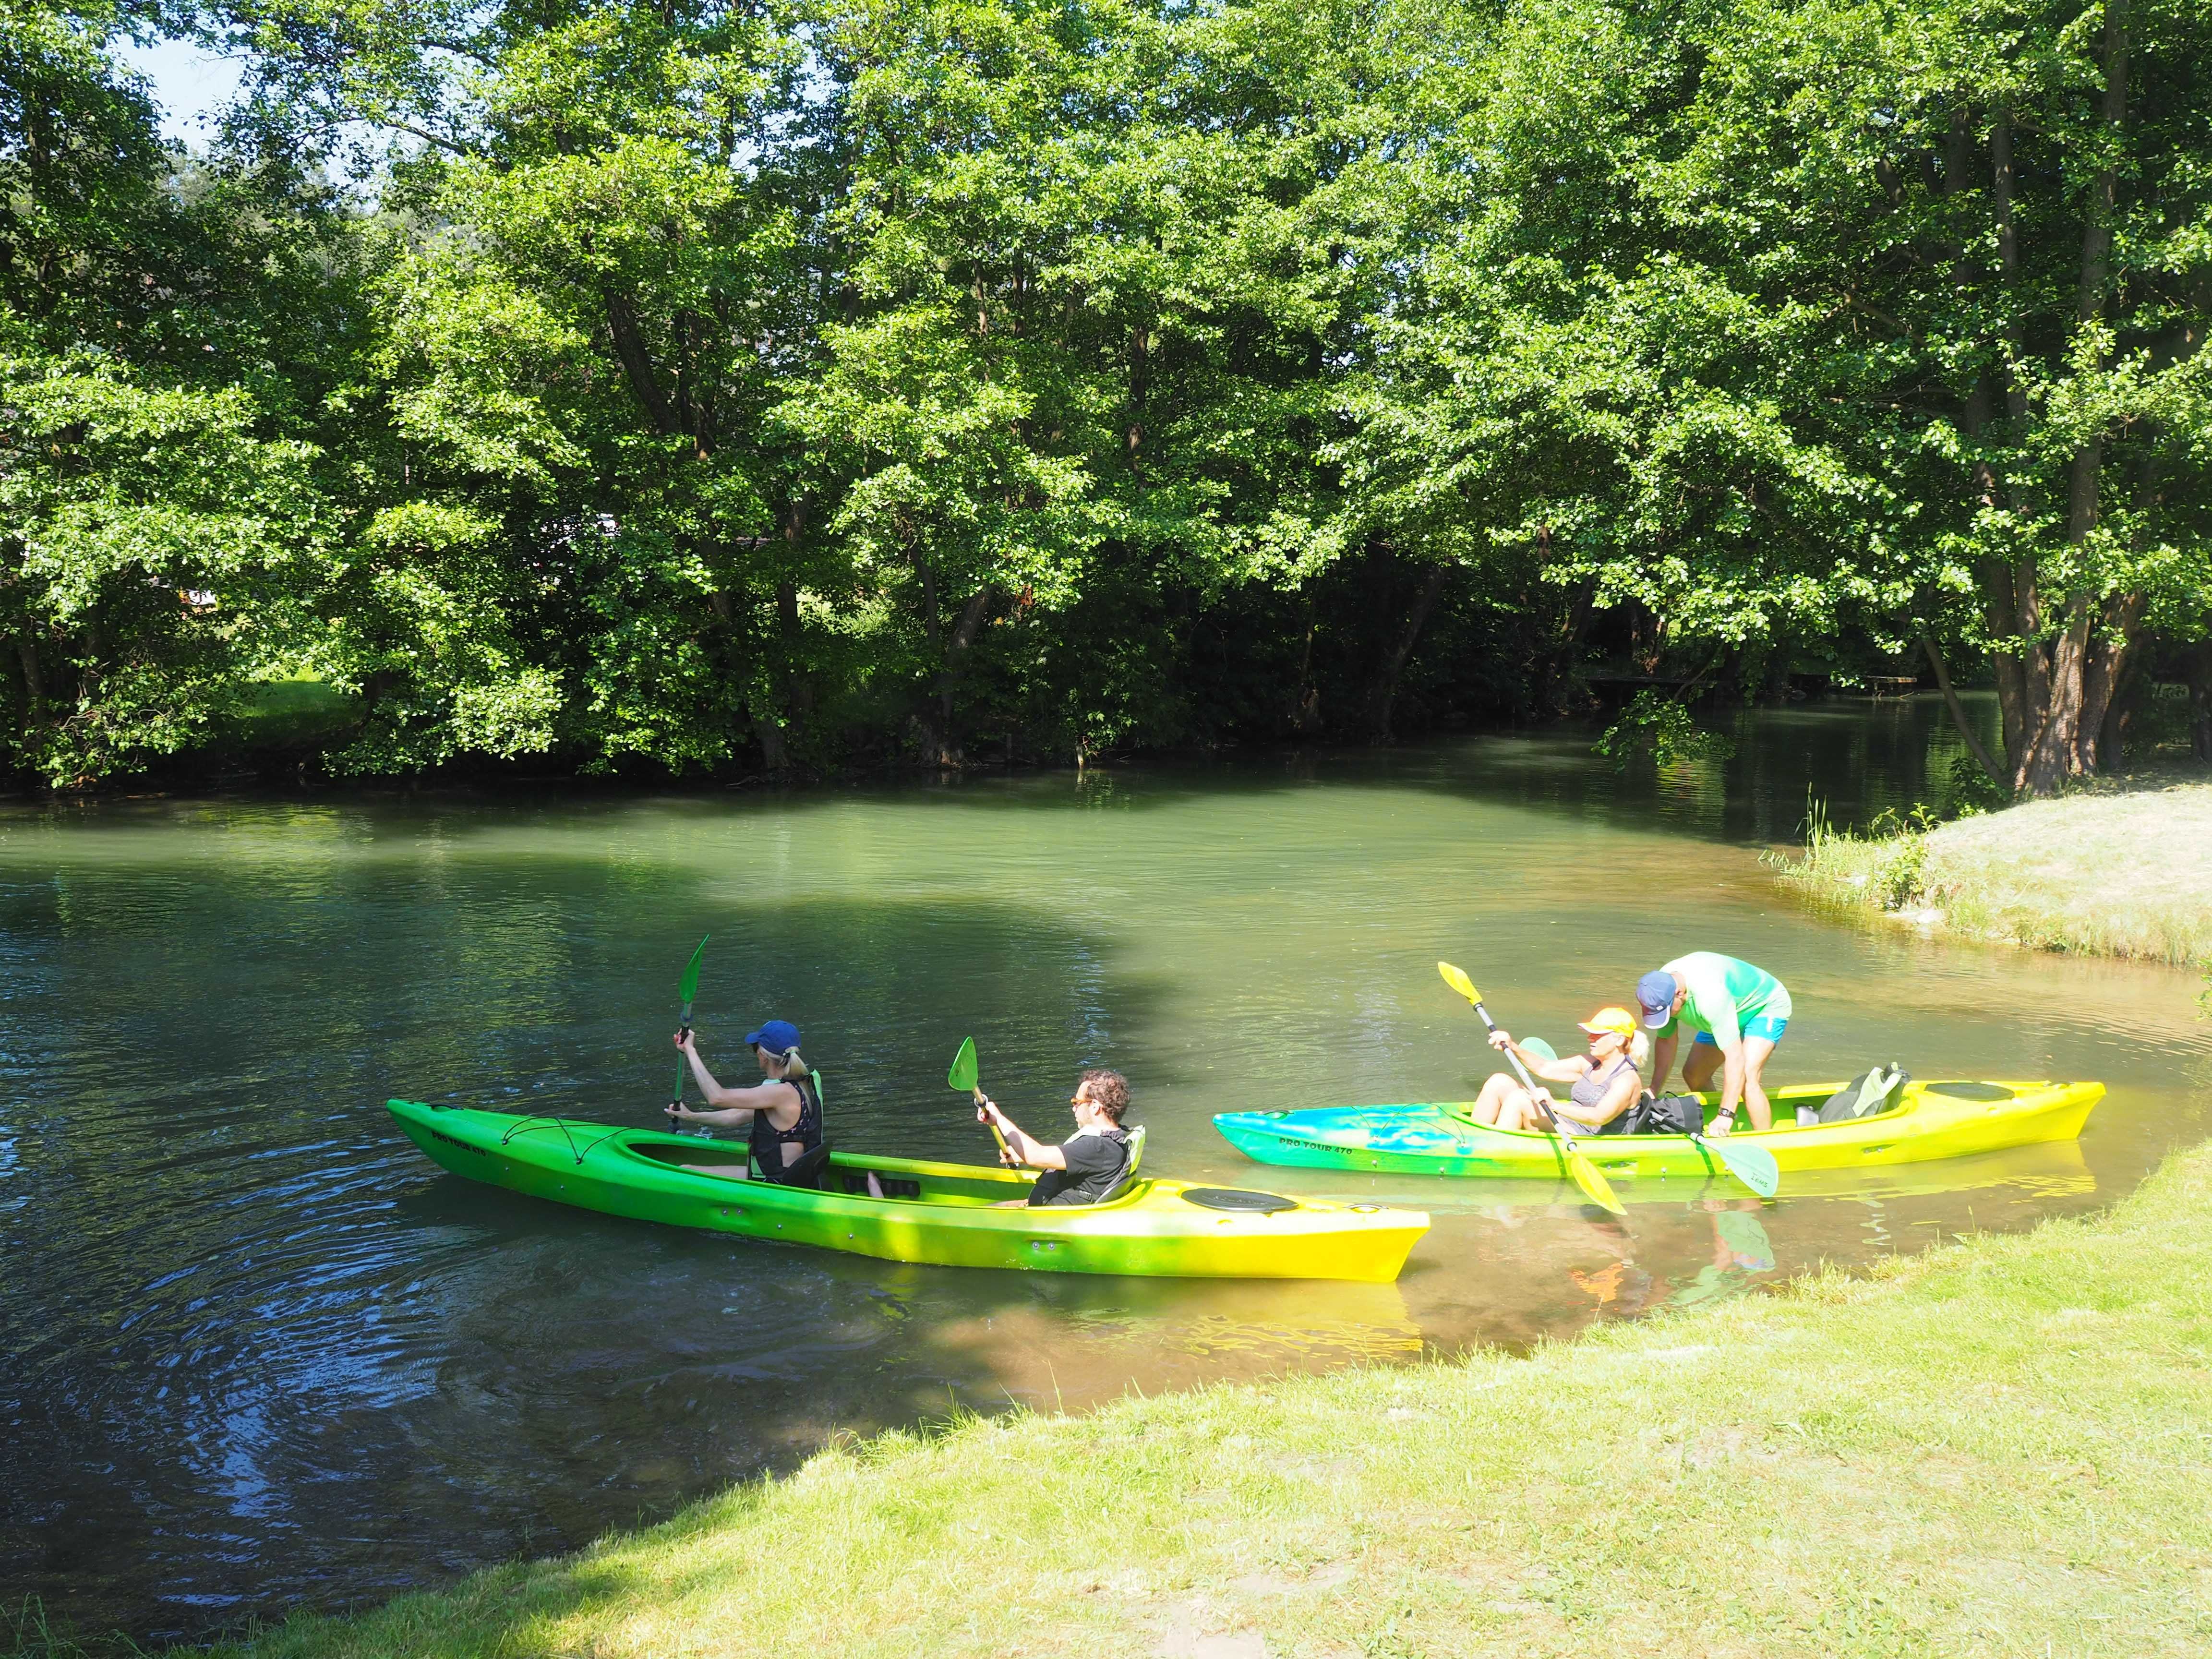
(299, 712)
(2003, 1447)
(2124, 869)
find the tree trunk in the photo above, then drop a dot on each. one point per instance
(2115, 677)
(637, 364)
(2056, 693)
(2200, 700)
(775, 753)
(797, 684)
(1384, 693)
(1306, 702)
(935, 715)
(964, 636)
(2083, 676)
(34, 684)
(2009, 590)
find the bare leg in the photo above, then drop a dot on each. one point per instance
(1500, 1094)
(1755, 1051)
(1521, 1113)
(1698, 1069)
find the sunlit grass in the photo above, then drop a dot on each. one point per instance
(2124, 870)
(1999, 1448)
(298, 712)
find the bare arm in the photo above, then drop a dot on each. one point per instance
(1026, 1149)
(731, 1108)
(1554, 1071)
(1731, 1073)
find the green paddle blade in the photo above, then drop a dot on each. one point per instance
(963, 1074)
(689, 988)
(1538, 1046)
(1754, 1166)
(1459, 981)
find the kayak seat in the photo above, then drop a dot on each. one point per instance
(1878, 1091)
(1136, 1148)
(810, 1169)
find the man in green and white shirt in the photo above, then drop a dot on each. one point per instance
(1737, 1012)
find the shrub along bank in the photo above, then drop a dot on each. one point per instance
(2123, 871)
(1997, 1448)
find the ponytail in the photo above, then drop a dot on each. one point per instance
(1639, 1050)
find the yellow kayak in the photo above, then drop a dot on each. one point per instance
(1934, 1120)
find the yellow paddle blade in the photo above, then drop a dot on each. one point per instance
(1588, 1176)
(1459, 981)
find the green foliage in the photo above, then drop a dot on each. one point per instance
(710, 388)
(1972, 789)
(1656, 724)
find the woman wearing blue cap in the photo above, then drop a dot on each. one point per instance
(783, 1111)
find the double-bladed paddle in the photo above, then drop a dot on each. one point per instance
(1584, 1174)
(963, 1076)
(688, 989)
(1754, 1166)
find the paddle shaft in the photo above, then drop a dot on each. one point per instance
(682, 1060)
(1005, 1152)
(1527, 1082)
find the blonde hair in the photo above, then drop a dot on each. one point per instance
(1639, 1050)
(794, 1067)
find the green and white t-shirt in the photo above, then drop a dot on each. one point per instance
(1725, 993)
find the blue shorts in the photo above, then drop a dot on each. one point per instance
(1758, 1025)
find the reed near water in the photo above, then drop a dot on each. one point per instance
(2124, 869)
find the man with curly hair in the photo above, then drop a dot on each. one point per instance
(1091, 1162)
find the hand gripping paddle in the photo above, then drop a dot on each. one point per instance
(963, 1076)
(687, 990)
(1584, 1174)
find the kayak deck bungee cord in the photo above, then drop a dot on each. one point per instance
(944, 1214)
(1930, 1121)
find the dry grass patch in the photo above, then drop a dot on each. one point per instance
(2124, 869)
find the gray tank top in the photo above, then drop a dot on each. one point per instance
(1590, 1087)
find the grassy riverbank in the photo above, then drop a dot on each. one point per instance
(1999, 1448)
(2123, 870)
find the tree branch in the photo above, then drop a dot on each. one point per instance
(1959, 710)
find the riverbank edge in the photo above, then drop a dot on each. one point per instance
(1995, 1446)
(2124, 870)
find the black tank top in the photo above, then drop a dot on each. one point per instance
(767, 1142)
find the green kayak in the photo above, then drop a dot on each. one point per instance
(951, 1214)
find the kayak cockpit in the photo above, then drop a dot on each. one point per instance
(841, 1174)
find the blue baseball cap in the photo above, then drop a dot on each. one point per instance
(1655, 994)
(778, 1036)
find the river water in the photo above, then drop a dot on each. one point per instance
(259, 1354)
